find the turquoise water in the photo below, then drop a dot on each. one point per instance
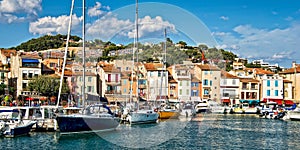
(203, 132)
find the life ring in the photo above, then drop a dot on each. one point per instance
(156, 110)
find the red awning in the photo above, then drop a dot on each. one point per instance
(288, 102)
(226, 100)
(29, 99)
(278, 101)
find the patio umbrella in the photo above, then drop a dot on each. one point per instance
(29, 99)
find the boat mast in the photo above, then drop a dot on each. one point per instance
(65, 55)
(164, 57)
(135, 48)
(83, 51)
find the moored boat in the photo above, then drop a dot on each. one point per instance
(94, 118)
(202, 107)
(168, 113)
(16, 127)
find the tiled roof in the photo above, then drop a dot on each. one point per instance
(287, 81)
(291, 70)
(225, 74)
(249, 80)
(259, 71)
(30, 55)
(208, 67)
(195, 79)
(7, 52)
(153, 66)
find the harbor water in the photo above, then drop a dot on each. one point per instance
(206, 131)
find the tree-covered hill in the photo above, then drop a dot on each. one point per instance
(48, 42)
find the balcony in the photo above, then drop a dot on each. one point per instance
(112, 92)
(108, 82)
(172, 87)
(142, 86)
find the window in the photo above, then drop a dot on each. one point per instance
(109, 78)
(210, 82)
(89, 79)
(180, 83)
(268, 83)
(206, 91)
(124, 82)
(180, 92)
(195, 93)
(159, 74)
(205, 82)
(233, 82)
(205, 73)
(24, 85)
(187, 92)
(224, 81)
(276, 92)
(2, 75)
(90, 89)
(80, 79)
(268, 92)
(276, 83)
(187, 83)
(125, 90)
(117, 78)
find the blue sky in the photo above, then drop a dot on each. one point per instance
(253, 29)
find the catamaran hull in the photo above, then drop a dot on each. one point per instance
(74, 124)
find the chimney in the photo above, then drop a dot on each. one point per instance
(294, 64)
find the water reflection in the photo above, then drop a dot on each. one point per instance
(203, 132)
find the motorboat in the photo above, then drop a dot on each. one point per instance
(202, 107)
(167, 112)
(43, 115)
(15, 127)
(141, 116)
(245, 108)
(187, 110)
(294, 115)
(216, 108)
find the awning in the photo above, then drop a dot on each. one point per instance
(251, 102)
(226, 100)
(288, 102)
(30, 60)
(278, 101)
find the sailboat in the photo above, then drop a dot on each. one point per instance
(139, 116)
(167, 112)
(93, 118)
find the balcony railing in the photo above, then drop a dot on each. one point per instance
(112, 92)
(112, 82)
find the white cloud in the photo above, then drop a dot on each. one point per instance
(224, 18)
(96, 10)
(107, 27)
(263, 43)
(151, 26)
(18, 10)
(54, 25)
